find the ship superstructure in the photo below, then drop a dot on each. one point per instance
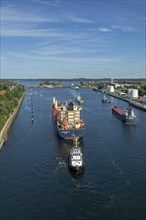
(68, 120)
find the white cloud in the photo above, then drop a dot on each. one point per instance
(18, 32)
(33, 31)
(117, 27)
(123, 28)
(11, 14)
(77, 19)
(101, 29)
(54, 3)
(50, 55)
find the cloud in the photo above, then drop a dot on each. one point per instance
(54, 3)
(18, 32)
(43, 56)
(123, 28)
(77, 19)
(101, 29)
(11, 14)
(32, 31)
(117, 27)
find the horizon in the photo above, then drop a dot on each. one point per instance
(73, 39)
(71, 79)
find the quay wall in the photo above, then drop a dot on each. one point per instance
(134, 104)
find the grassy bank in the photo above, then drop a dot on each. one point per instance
(5, 130)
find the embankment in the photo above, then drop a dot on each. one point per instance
(5, 130)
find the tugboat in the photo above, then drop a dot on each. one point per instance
(75, 159)
(80, 100)
(105, 99)
(127, 115)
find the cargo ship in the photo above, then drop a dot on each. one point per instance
(68, 122)
(127, 115)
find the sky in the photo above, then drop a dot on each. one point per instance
(73, 39)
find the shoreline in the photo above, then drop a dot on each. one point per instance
(5, 130)
(133, 103)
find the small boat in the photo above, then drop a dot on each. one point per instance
(75, 159)
(79, 107)
(127, 115)
(105, 99)
(72, 86)
(80, 100)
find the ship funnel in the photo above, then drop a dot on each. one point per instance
(54, 100)
(56, 104)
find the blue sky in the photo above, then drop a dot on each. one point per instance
(72, 39)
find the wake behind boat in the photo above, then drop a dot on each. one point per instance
(75, 159)
(127, 115)
(67, 120)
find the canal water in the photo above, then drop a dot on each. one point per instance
(36, 182)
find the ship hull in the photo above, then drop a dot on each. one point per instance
(119, 113)
(70, 134)
(75, 169)
(105, 101)
(119, 116)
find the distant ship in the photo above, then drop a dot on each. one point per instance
(79, 99)
(127, 115)
(105, 99)
(75, 159)
(67, 120)
(71, 86)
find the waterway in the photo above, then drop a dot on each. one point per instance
(36, 182)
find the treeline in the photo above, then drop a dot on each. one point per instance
(9, 100)
(142, 90)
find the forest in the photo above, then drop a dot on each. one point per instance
(9, 98)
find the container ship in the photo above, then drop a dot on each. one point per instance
(67, 120)
(127, 115)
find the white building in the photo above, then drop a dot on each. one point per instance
(110, 89)
(133, 93)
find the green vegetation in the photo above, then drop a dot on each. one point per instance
(102, 85)
(142, 90)
(9, 100)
